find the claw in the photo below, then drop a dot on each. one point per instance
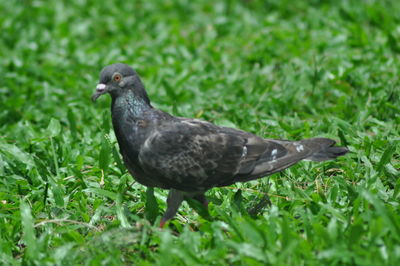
(162, 223)
(174, 200)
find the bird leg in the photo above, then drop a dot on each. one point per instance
(174, 200)
(202, 199)
(201, 210)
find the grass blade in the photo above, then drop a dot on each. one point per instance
(28, 230)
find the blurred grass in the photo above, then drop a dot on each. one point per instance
(280, 69)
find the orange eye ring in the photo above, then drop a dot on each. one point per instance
(117, 78)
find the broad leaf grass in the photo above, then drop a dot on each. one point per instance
(280, 69)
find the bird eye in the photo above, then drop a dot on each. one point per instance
(117, 77)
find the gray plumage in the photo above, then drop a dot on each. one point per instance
(190, 156)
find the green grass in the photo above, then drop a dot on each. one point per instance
(280, 69)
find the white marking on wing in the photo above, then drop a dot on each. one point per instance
(244, 151)
(150, 138)
(273, 153)
(194, 122)
(299, 147)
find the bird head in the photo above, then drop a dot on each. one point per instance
(116, 79)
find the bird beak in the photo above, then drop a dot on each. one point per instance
(100, 89)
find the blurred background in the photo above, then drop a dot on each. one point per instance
(280, 69)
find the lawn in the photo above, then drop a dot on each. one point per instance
(279, 69)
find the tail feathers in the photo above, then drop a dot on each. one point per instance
(324, 149)
(278, 155)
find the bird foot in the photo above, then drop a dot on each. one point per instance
(162, 223)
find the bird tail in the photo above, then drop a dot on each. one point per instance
(323, 149)
(282, 154)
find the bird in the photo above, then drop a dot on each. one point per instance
(190, 156)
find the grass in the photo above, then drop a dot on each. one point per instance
(280, 69)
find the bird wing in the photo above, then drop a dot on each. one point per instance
(194, 155)
(290, 152)
(191, 155)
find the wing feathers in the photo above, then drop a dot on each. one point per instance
(288, 153)
(194, 155)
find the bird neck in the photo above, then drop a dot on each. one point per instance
(130, 104)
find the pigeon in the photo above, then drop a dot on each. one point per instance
(190, 156)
